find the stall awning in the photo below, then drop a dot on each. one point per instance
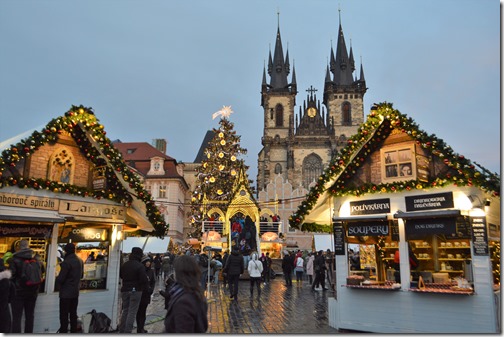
(131, 242)
(156, 245)
(362, 218)
(148, 244)
(29, 215)
(323, 242)
(427, 214)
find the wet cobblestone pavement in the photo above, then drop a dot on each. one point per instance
(280, 309)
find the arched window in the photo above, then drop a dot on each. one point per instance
(279, 115)
(312, 169)
(278, 168)
(346, 113)
(61, 166)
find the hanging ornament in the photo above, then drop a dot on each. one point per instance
(221, 135)
(233, 158)
(205, 165)
(221, 155)
(212, 179)
(219, 192)
(221, 167)
(233, 172)
(208, 155)
(223, 142)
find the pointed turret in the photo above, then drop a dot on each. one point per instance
(352, 62)
(279, 70)
(342, 68)
(362, 74)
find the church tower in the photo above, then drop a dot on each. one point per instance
(299, 146)
(278, 99)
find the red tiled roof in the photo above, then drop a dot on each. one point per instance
(139, 151)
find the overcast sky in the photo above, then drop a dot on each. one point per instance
(160, 69)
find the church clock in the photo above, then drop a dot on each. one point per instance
(312, 112)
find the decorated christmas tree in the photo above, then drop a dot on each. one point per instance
(218, 171)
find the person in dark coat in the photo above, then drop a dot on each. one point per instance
(186, 304)
(146, 295)
(319, 267)
(68, 280)
(26, 296)
(234, 267)
(224, 275)
(6, 293)
(157, 264)
(287, 267)
(134, 279)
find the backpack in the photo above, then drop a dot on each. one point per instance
(31, 273)
(203, 260)
(100, 322)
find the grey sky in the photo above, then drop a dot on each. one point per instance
(159, 69)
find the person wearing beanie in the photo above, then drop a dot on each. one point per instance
(146, 294)
(25, 298)
(134, 280)
(6, 292)
(68, 281)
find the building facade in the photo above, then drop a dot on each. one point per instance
(297, 146)
(163, 177)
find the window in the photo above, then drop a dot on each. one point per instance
(61, 166)
(346, 116)
(278, 168)
(312, 169)
(279, 115)
(398, 163)
(162, 191)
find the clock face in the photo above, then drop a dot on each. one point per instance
(312, 112)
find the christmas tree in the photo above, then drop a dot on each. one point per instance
(218, 171)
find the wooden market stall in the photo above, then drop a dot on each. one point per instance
(67, 183)
(425, 223)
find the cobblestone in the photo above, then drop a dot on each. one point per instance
(280, 309)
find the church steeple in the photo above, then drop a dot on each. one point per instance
(279, 67)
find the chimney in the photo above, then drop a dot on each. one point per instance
(160, 144)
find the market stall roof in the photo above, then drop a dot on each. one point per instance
(313, 213)
(9, 213)
(323, 242)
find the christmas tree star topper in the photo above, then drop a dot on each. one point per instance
(225, 112)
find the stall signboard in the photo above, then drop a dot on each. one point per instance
(38, 231)
(479, 236)
(99, 181)
(339, 238)
(365, 207)
(84, 234)
(79, 208)
(429, 202)
(463, 228)
(18, 200)
(394, 229)
(430, 226)
(368, 228)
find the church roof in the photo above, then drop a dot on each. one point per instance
(379, 125)
(207, 139)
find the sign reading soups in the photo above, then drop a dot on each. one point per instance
(430, 201)
(364, 207)
(368, 228)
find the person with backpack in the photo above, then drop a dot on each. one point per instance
(234, 267)
(68, 280)
(202, 260)
(27, 276)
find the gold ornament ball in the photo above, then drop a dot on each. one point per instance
(221, 155)
(219, 192)
(221, 167)
(212, 179)
(223, 142)
(221, 135)
(233, 158)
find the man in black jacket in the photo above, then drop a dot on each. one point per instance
(68, 280)
(287, 266)
(319, 267)
(134, 280)
(233, 268)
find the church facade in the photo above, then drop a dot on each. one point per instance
(299, 141)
